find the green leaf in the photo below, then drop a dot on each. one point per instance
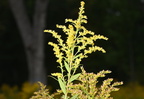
(67, 66)
(62, 85)
(74, 97)
(77, 56)
(74, 77)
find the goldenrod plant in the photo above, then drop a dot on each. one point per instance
(79, 43)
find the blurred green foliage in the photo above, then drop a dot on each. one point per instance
(25, 92)
(128, 91)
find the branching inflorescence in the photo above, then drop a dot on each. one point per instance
(79, 43)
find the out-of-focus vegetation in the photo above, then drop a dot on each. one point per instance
(15, 92)
(128, 91)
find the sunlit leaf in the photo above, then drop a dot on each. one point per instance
(67, 66)
(74, 77)
(74, 97)
(62, 85)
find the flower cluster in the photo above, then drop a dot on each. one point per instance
(79, 43)
(43, 93)
(87, 87)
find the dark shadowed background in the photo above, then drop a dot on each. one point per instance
(122, 21)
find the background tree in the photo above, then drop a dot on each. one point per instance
(32, 36)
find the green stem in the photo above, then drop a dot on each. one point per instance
(66, 96)
(70, 66)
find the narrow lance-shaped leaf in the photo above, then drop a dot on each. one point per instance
(62, 85)
(77, 56)
(74, 97)
(66, 66)
(74, 77)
